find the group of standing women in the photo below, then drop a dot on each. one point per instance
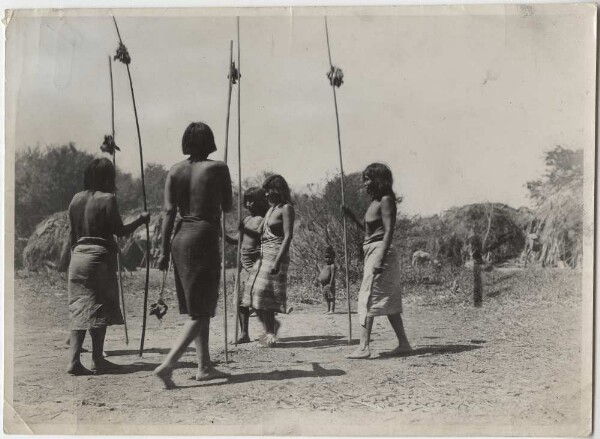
(199, 190)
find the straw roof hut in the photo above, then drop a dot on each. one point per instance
(556, 233)
(48, 246)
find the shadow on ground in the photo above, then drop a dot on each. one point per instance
(125, 369)
(275, 375)
(161, 351)
(433, 350)
(314, 341)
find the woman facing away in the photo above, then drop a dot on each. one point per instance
(94, 219)
(380, 292)
(200, 189)
(266, 288)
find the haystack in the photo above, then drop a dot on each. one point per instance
(48, 246)
(446, 236)
(557, 231)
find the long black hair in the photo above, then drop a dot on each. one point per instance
(382, 179)
(278, 184)
(99, 175)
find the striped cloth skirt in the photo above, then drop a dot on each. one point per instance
(380, 294)
(264, 290)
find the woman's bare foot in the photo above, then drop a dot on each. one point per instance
(164, 376)
(210, 374)
(360, 353)
(77, 369)
(268, 341)
(102, 365)
(244, 338)
(399, 350)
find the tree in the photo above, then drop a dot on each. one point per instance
(45, 182)
(155, 177)
(563, 166)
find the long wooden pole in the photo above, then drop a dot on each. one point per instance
(223, 231)
(137, 126)
(337, 120)
(114, 157)
(239, 246)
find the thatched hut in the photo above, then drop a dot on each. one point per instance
(500, 228)
(556, 233)
(48, 246)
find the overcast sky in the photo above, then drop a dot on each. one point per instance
(460, 106)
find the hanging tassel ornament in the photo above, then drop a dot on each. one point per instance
(109, 146)
(234, 74)
(336, 76)
(122, 54)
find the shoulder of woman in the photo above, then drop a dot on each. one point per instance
(288, 208)
(107, 198)
(387, 201)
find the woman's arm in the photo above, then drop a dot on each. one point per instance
(121, 229)
(332, 279)
(72, 232)
(288, 215)
(231, 239)
(169, 214)
(346, 210)
(226, 195)
(388, 218)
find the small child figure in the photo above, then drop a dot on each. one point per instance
(327, 280)
(251, 228)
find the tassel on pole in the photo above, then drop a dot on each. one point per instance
(336, 79)
(123, 56)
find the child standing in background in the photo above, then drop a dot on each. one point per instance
(327, 280)
(255, 202)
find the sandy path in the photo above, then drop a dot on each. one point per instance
(513, 362)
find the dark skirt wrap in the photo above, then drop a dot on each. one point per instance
(197, 266)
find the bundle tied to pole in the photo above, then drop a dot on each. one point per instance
(122, 55)
(336, 79)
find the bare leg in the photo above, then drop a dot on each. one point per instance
(261, 314)
(244, 317)
(98, 362)
(270, 325)
(205, 369)
(403, 344)
(333, 306)
(75, 346)
(191, 330)
(363, 350)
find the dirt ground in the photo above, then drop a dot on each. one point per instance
(510, 367)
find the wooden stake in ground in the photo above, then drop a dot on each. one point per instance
(232, 79)
(336, 76)
(239, 246)
(123, 56)
(114, 157)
